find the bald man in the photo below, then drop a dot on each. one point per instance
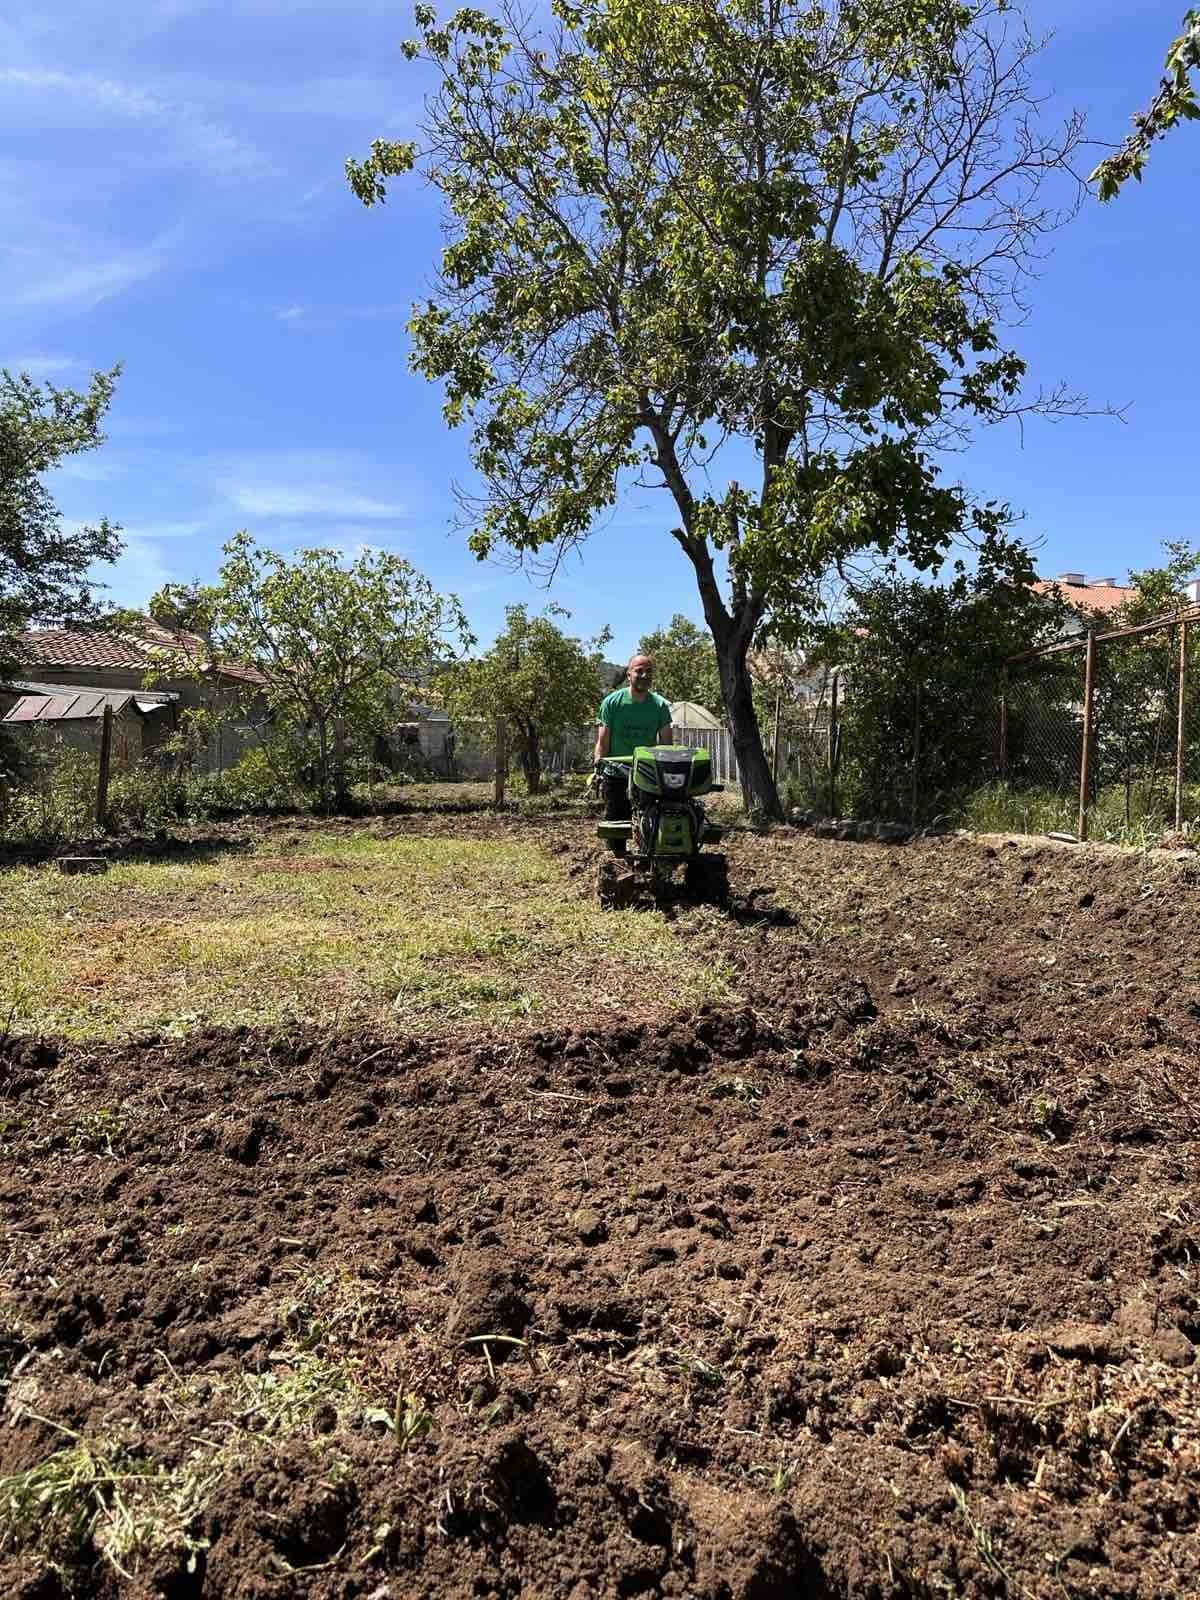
(630, 716)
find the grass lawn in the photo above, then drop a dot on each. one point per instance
(395, 931)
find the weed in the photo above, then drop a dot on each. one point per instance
(88, 1497)
(750, 1094)
(406, 1420)
(104, 1131)
(293, 1398)
(985, 1543)
(684, 1364)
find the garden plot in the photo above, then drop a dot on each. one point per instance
(872, 1275)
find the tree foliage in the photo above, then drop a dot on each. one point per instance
(1136, 684)
(330, 643)
(542, 682)
(795, 224)
(1175, 102)
(44, 565)
(685, 663)
(183, 606)
(921, 670)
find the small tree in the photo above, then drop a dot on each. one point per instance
(1174, 102)
(685, 663)
(541, 682)
(1136, 685)
(796, 225)
(44, 567)
(922, 668)
(329, 642)
(184, 606)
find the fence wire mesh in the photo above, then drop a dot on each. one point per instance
(1136, 775)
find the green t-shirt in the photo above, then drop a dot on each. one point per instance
(632, 722)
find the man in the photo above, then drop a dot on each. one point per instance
(628, 717)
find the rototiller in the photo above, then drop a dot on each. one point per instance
(667, 828)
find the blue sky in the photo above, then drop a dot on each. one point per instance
(172, 197)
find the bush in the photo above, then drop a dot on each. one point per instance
(57, 799)
(260, 781)
(145, 797)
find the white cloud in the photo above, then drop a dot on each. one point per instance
(308, 486)
(185, 126)
(152, 533)
(49, 283)
(90, 469)
(314, 319)
(315, 500)
(41, 366)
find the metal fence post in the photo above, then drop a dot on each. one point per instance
(1180, 726)
(1085, 755)
(833, 745)
(1002, 763)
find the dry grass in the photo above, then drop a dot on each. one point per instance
(346, 927)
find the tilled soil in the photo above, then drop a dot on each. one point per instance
(881, 1283)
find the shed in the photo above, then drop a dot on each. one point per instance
(75, 713)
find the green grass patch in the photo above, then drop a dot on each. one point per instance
(361, 927)
(1139, 817)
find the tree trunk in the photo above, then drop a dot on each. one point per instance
(341, 784)
(732, 635)
(758, 786)
(323, 773)
(531, 759)
(732, 630)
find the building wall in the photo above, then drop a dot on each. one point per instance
(225, 748)
(84, 734)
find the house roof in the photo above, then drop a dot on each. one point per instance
(56, 704)
(129, 651)
(1095, 594)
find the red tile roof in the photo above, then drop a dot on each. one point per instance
(68, 647)
(1086, 596)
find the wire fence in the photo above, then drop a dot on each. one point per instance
(1097, 736)
(1101, 734)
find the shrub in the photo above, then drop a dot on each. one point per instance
(264, 779)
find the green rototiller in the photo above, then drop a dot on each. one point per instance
(667, 829)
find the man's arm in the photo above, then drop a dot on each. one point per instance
(666, 734)
(603, 735)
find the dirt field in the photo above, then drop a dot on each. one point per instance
(877, 1279)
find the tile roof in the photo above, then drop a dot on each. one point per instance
(69, 647)
(1089, 596)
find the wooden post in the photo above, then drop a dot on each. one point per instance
(1180, 726)
(916, 764)
(833, 745)
(501, 761)
(1085, 755)
(106, 731)
(1002, 764)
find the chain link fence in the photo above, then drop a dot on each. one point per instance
(1100, 735)
(1047, 744)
